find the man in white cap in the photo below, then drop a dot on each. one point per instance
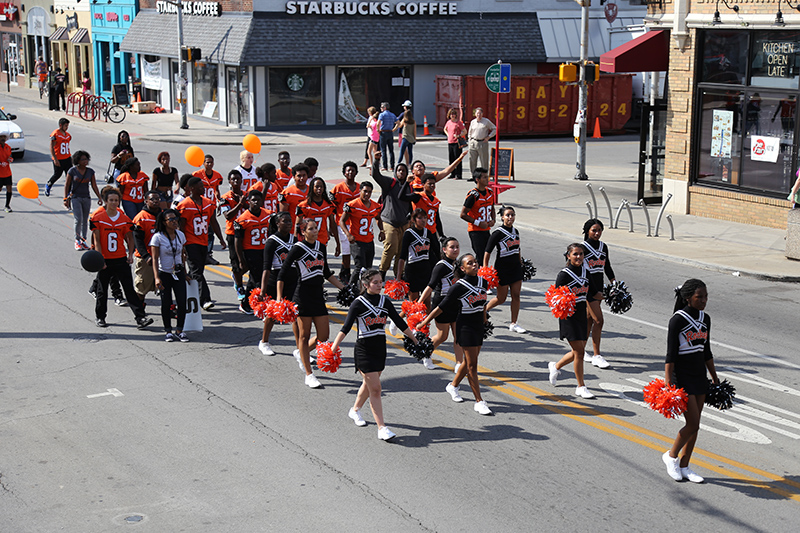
(408, 133)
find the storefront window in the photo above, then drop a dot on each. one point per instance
(724, 57)
(776, 59)
(720, 137)
(238, 96)
(769, 141)
(295, 96)
(105, 53)
(204, 81)
(360, 88)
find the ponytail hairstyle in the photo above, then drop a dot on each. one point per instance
(364, 278)
(572, 247)
(161, 220)
(273, 221)
(588, 225)
(686, 291)
(459, 270)
(445, 242)
(504, 208)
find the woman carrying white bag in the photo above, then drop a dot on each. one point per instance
(169, 258)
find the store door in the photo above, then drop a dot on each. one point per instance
(238, 96)
(652, 143)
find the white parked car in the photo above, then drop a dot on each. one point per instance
(16, 139)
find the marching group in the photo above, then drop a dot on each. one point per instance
(278, 223)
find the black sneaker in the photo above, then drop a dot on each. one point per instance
(101, 323)
(142, 323)
(47, 188)
(119, 302)
(211, 261)
(93, 294)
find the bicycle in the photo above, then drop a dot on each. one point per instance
(93, 106)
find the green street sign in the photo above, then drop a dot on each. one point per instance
(498, 78)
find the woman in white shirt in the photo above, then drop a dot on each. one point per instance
(169, 258)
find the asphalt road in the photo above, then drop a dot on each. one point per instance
(213, 436)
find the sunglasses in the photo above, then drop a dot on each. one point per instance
(171, 219)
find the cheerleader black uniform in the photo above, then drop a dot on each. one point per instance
(688, 348)
(311, 263)
(441, 281)
(575, 328)
(275, 252)
(508, 263)
(597, 262)
(371, 311)
(416, 249)
(468, 297)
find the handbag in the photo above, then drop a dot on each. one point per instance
(110, 173)
(462, 142)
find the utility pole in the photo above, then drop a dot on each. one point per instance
(181, 67)
(583, 90)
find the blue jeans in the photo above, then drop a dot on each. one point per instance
(387, 145)
(406, 146)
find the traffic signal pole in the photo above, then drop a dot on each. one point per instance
(583, 91)
(182, 82)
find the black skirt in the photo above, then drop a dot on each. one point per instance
(417, 275)
(370, 354)
(310, 300)
(509, 270)
(289, 285)
(469, 330)
(575, 328)
(692, 384)
(447, 316)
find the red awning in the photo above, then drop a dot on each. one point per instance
(646, 53)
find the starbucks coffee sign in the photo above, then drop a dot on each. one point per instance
(380, 9)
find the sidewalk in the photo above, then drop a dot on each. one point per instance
(546, 197)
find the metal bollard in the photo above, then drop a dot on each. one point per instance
(619, 212)
(646, 216)
(608, 204)
(630, 214)
(589, 207)
(671, 228)
(661, 211)
(594, 199)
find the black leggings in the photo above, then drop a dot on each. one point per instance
(479, 240)
(255, 264)
(178, 287)
(453, 151)
(196, 255)
(60, 167)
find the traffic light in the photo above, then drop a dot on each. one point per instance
(567, 72)
(591, 72)
(190, 54)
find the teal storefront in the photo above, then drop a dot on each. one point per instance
(110, 23)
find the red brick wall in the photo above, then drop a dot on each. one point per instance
(738, 207)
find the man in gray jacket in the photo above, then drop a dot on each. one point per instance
(395, 214)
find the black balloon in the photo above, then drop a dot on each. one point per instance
(93, 261)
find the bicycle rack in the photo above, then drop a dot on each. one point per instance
(73, 103)
(630, 214)
(615, 225)
(671, 228)
(594, 200)
(661, 212)
(608, 204)
(646, 215)
(589, 207)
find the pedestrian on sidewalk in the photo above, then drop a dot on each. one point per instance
(169, 257)
(121, 152)
(794, 194)
(59, 84)
(387, 121)
(165, 178)
(481, 130)
(59, 153)
(597, 263)
(280, 241)
(478, 211)
(688, 358)
(86, 83)
(373, 136)
(574, 328)
(76, 195)
(409, 132)
(41, 73)
(5, 169)
(456, 140)
(508, 264)
(371, 311)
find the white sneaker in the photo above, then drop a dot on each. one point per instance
(208, 305)
(313, 382)
(299, 359)
(455, 368)
(554, 372)
(454, 393)
(583, 392)
(516, 329)
(392, 328)
(673, 469)
(600, 362)
(265, 348)
(428, 363)
(385, 433)
(356, 416)
(688, 473)
(481, 408)
(587, 358)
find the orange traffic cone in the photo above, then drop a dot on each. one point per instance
(425, 129)
(139, 97)
(596, 134)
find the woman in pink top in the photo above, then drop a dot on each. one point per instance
(86, 83)
(454, 129)
(373, 135)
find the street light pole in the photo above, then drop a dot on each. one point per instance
(583, 90)
(181, 67)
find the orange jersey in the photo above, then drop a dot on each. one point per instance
(133, 187)
(270, 197)
(481, 205)
(417, 184)
(252, 229)
(62, 139)
(112, 232)
(197, 217)
(283, 178)
(211, 184)
(320, 213)
(228, 202)
(5, 161)
(361, 216)
(342, 194)
(146, 221)
(293, 196)
(431, 208)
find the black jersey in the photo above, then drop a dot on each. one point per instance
(577, 279)
(597, 260)
(372, 312)
(276, 250)
(506, 240)
(442, 277)
(310, 260)
(689, 344)
(470, 292)
(416, 245)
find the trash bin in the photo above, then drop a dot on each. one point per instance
(53, 99)
(793, 234)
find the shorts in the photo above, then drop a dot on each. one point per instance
(344, 243)
(376, 143)
(370, 354)
(165, 196)
(5, 182)
(144, 280)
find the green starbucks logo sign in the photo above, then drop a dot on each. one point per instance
(295, 82)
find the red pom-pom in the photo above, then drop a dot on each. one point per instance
(490, 275)
(669, 401)
(257, 304)
(328, 360)
(413, 322)
(409, 307)
(396, 289)
(283, 312)
(561, 301)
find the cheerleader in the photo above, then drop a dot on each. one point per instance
(468, 294)
(372, 310)
(597, 262)
(310, 258)
(442, 278)
(508, 265)
(574, 328)
(688, 358)
(280, 241)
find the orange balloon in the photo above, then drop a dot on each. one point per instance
(28, 188)
(252, 143)
(194, 156)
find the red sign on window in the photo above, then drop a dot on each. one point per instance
(111, 17)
